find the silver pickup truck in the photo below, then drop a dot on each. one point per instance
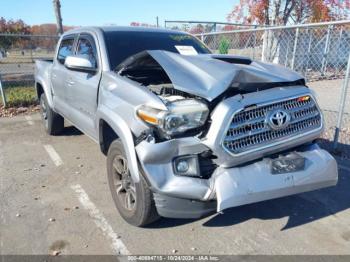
(186, 132)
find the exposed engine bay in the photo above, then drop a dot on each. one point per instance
(145, 70)
(170, 74)
(197, 84)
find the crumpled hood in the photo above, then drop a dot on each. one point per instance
(208, 76)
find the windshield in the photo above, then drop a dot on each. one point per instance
(120, 45)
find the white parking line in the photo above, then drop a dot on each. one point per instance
(29, 120)
(345, 168)
(116, 244)
(53, 155)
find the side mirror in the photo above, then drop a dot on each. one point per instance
(79, 63)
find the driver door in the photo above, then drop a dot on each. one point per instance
(82, 87)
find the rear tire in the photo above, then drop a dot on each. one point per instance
(134, 201)
(53, 122)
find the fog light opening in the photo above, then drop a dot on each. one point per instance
(182, 166)
(186, 166)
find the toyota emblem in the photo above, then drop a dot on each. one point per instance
(279, 119)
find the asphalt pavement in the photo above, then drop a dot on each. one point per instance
(54, 197)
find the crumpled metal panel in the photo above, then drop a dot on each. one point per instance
(157, 162)
(254, 183)
(208, 77)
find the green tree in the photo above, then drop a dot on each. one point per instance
(224, 45)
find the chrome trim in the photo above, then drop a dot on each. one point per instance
(276, 143)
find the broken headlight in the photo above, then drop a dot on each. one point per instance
(182, 115)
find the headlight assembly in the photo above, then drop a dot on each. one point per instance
(182, 115)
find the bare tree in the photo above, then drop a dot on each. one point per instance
(57, 8)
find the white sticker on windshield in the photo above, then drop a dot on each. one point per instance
(186, 50)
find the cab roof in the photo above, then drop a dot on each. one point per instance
(123, 29)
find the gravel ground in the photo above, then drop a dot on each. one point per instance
(330, 124)
(328, 94)
(343, 149)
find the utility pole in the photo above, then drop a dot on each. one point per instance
(157, 18)
(57, 8)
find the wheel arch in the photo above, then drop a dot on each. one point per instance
(111, 126)
(41, 87)
(106, 135)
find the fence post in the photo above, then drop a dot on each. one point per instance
(325, 51)
(202, 37)
(309, 55)
(3, 95)
(341, 106)
(265, 40)
(295, 47)
(31, 45)
(339, 46)
(254, 45)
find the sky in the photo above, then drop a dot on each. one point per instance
(116, 12)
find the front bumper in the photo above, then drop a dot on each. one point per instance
(190, 197)
(254, 183)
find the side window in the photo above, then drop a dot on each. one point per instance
(87, 48)
(66, 49)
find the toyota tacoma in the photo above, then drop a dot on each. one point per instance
(186, 132)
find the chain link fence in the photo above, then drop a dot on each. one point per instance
(319, 52)
(17, 56)
(196, 27)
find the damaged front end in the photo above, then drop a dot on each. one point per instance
(213, 146)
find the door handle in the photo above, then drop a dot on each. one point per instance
(70, 82)
(53, 76)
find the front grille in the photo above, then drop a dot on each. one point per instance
(251, 129)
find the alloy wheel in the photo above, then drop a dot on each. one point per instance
(123, 183)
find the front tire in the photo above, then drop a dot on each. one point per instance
(134, 201)
(53, 122)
